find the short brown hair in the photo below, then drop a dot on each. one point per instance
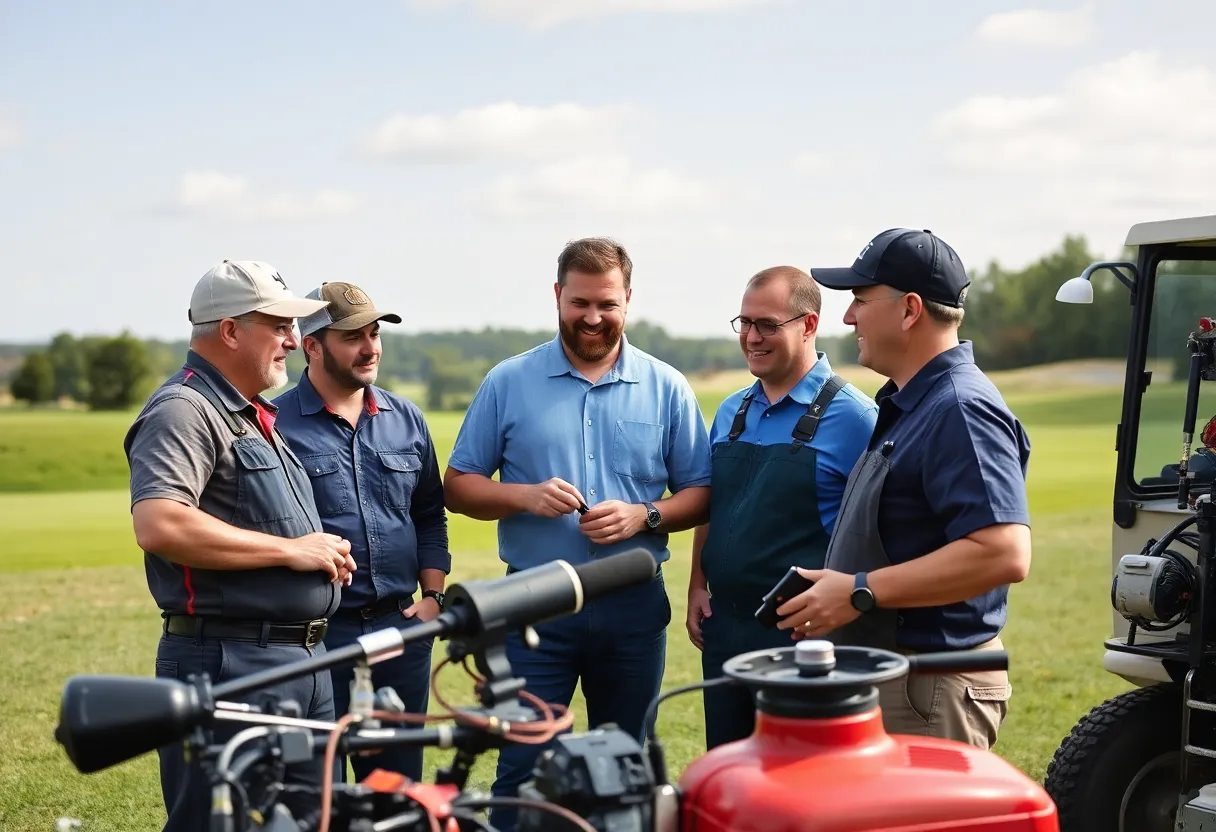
(804, 292)
(593, 255)
(948, 315)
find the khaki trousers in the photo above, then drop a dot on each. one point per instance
(966, 707)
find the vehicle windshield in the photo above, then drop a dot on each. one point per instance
(1185, 291)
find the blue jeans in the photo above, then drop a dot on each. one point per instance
(616, 647)
(408, 674)
(187, 793)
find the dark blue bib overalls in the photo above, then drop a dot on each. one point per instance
(763, 519)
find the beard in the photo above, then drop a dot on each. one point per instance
(590, 347)
(345, 376)
(271, 377)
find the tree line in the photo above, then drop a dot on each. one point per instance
(1012, 317)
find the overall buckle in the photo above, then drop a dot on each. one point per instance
(314, 631)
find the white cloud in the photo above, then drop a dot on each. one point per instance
(219, 196)
(499, 131)
(543, 14)
(1133, 134)
(610, 184)
(1039, 29)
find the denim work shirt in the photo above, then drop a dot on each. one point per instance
(631, 436)
(377, 484)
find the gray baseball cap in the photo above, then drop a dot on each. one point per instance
(238, 287)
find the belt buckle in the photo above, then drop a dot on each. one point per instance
(314, 631)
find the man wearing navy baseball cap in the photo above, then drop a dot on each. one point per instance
(934, 526)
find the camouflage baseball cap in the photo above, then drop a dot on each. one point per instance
(347, 307)
(235, 288)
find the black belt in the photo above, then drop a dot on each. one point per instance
(381, 608)
(262, 632)
(658, 570)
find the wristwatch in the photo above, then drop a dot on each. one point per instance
(436, 594)
(653, 518)
(862, 598)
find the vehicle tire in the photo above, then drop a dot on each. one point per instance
(1117, 770)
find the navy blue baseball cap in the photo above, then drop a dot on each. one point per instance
(907, 260)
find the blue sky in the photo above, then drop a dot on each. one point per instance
(440, 152)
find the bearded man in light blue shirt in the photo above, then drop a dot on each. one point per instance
(585, 420)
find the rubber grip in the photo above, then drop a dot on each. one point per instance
(961, 661)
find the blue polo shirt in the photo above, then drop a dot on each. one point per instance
(842, 436)
(958, 464)
(377, 484)
(631, 436)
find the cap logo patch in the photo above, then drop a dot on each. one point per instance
(869, 246)
(279, 280)
(355, 296)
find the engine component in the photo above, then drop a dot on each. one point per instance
(601, 775)
(1199, 815)
(1153, 591)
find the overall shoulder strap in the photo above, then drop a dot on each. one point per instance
(808, 423)
(737, 426)
(235, 423)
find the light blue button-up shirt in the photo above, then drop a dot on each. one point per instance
(631, 436)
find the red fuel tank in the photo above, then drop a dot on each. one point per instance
(820, 760)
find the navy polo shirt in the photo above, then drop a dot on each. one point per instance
(958, 464)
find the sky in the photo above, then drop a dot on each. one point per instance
(439, 153)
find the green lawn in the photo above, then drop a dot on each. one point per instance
(78, 603)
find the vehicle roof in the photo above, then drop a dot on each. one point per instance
(1184, 231)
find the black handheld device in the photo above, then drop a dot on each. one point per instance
(792, 584)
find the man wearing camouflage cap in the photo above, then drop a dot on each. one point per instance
(377, 483)
(235, 554)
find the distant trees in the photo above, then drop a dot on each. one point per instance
(106, 373)
(35, 381)
(1014, 319)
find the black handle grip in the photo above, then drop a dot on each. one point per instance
(962, 661)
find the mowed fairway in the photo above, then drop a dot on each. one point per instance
(75, 599)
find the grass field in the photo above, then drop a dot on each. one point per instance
(77, 602)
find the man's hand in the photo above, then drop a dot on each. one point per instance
(822, 608)
(698, 610)
(426, 609)
(613, 521)
(552, 498)
(325, 552)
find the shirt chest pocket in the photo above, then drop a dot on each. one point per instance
(328, 485)
(637, 450)
(263, 494)
(399, 470)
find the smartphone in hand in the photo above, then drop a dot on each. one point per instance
(792, 584)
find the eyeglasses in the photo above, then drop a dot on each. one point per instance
(282, 330)
(741, 324)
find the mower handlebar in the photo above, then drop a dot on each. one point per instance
(962, 661)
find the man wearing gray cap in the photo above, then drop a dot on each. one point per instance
(235, 554)
(377, 483)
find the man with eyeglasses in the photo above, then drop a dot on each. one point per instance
(935, 526)
(782, 451)
(235, 554)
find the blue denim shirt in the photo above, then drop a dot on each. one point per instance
(631, 436)
(377, 484)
